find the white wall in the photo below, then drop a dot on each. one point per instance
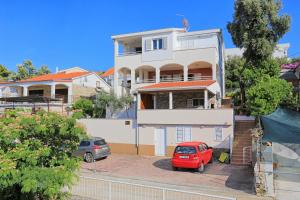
(90, 81)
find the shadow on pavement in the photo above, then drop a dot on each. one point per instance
(165, 164)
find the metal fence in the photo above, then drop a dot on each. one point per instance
(94, 188)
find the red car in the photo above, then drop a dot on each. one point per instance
(192, 155)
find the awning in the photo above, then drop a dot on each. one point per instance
(282, 126)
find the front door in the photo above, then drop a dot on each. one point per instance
(160, 141)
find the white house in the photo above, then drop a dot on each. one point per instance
(68, 85)
(177, 79)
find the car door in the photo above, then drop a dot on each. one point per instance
(207, 153)
(83, 148)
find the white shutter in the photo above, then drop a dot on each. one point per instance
(187, 134)
(148, 45)
(165, 43)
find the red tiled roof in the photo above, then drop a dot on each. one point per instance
(181, 84)
(108, 72)
(56, 77)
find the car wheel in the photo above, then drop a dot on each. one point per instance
(89, 157)
(174, 168)
(201, 167)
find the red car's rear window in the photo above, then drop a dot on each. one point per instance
(185, 150)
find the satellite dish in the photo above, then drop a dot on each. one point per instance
(185, 22)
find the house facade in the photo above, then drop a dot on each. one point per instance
(68, 85)
(177, 80)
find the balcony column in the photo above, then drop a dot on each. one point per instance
(132, 76)
(185, 73)
(139, 101)
(70, 94)
(141, 75)
(214, 70)
(157, 75)
(116, 44)
(25, 91)
(52, 91)
(205, 99)
(170, 100)
(155, 101)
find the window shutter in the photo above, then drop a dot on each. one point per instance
(187, 134)
(165, 42)
(148, 45)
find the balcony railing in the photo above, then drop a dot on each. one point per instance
(129, 53)
(149, 80)
(199, 77)
(171, 79)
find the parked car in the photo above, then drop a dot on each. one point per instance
(92, 149)
(194, 155)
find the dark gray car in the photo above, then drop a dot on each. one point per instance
(92, 149)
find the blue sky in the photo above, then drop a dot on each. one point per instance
(66, 33)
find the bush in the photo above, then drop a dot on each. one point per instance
(85, 105)
(36, 159)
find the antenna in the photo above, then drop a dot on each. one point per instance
(185, 22)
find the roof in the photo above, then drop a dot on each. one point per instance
(178, 85)
(56, 77)
(193, 143)
(157, 31)
(108, 72)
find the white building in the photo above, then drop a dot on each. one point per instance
(68, 85)
(177, 78)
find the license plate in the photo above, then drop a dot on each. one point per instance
(185, 157)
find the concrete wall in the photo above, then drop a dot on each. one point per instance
(121, 137)
(91, 81)
(286, 155)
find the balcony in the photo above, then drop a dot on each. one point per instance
(186, 116)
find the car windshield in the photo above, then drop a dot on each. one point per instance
(99, 142)
(185, 150)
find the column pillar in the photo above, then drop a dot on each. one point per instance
(52, 91)
(185, 73)
(140, 75)
(132, 76)
(157, 75)
(25, 91)
(170, 100)
(70, 94)
(116, 45)
(139, 99)
(214, 70)
(155, 101)
(205, 99)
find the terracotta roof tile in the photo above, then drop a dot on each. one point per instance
(181, 84)
(108, 72)
(56, 77)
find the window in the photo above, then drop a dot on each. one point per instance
(99, 142)
(157, 44)
(84, 143)
(185, 150)
(97, 83)
(218, 133)
(198, 102)
(183, 134)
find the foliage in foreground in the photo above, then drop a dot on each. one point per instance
(36, 159)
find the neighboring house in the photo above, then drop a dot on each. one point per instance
(69, 85)
(177, 79)
(280, 51)
(108, 76)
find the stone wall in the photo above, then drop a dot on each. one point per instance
(81, 91)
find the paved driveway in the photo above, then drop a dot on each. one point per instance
(159, 169)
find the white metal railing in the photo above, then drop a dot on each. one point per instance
(95, 188)
(149, 80)
(171, 79)
(199, 77)
(128, 53)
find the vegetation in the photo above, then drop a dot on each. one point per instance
(24, 71)
(256, 28)
(36, 159)
(84, 105)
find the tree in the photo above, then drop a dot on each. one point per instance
(84, 105)
(4, 73)
(257, 27)
(25, 70)
(126, 101)
(265, 96)
(36, 159)
(43, 70)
